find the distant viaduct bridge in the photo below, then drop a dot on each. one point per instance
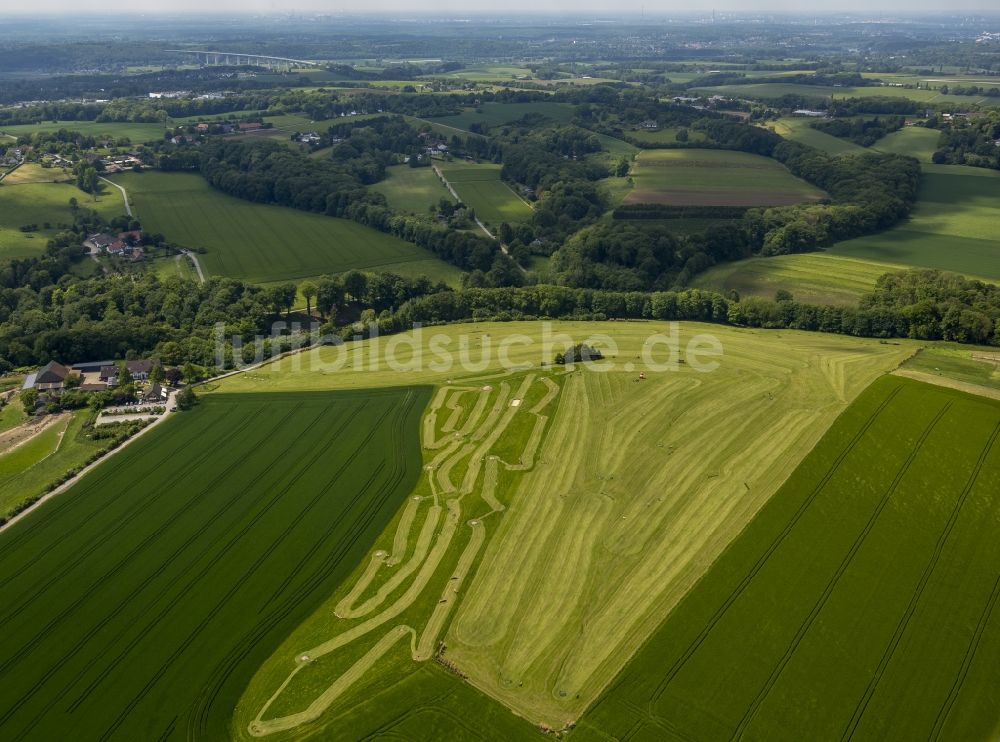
(209, 57)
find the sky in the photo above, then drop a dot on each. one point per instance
(461, 7)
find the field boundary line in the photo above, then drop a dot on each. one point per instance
(948, 383)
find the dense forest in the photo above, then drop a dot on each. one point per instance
(864, 132)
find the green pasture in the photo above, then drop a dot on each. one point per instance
(766, 91)
(715, 178)
(962, 363)
(860, 603)
(797, 129)
(138, 133)
(914, 141)
(412, 189)
(38, 203)
(812, 278)
(139, 604)
(953, 226)
(266, 243)
(666, 135)
(497, 114)
(479, 186)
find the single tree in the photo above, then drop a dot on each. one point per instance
(309, 290)
(186, 398)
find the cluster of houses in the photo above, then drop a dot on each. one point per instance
(98, 376)
(126, 244)
(13, 157)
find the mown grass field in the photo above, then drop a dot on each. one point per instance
(265, 243)
(479, 186)
(34, 173)
(619, 501)
(374, 637)
(861, 602)
(412, 189)
(812, 278)
(38, 203)
(953, 226)
(138, 133)
(715, 178)
(498, 114)
(139, 604)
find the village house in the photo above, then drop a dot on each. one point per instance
(139, 371)
(155, 394)
(101, 241)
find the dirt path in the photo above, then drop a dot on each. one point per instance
(128, 206)
(962, 386)
(14, 438)
(197, 265)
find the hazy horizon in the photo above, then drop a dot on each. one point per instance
(898, 8)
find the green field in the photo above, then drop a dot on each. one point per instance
(139, 604)
(667, 135)
(138, 133)
(479, 186)
(798, 129)
(861, 602)
(412, 189)
(497, 114)
(265, 243)
(957, 362)
(765, 91)
(915, 141)
(614, 504)
(28, 469)
(705, 177)
(812, 278)
(953, 227)
(38, 203)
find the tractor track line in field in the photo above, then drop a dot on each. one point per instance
(220, 604)
(918, 593)
(970, 655)
(775, 543)
(142, 586)
(832, 584)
